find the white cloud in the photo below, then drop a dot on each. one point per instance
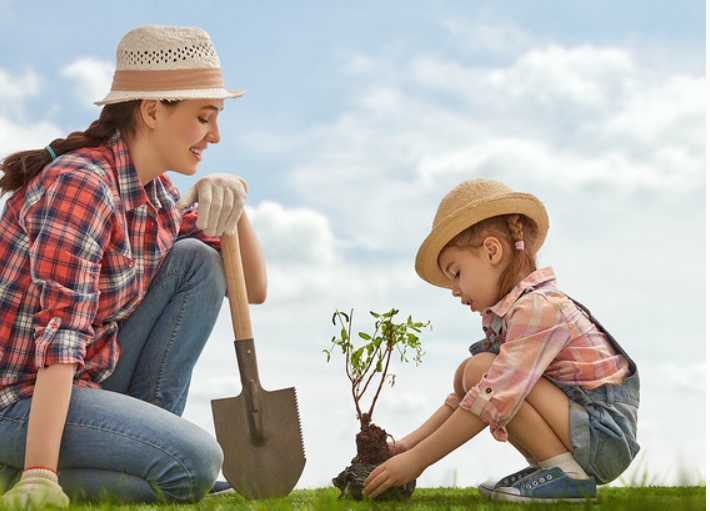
(296, 236)
(555, 119)
(16, 136)
(14, 88)
(93, 79)
(16, 132)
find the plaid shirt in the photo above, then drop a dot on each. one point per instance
(543, 333)
(78, 250)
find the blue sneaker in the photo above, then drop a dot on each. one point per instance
(221, 488)
(548, 486)
(488, 487)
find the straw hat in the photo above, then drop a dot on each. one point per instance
(167, 63)
(467, 204)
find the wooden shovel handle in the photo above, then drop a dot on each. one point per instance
(236, 287)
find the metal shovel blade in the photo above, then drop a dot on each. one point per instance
(260, 434)
(259, 431)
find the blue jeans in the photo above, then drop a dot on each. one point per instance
(126, 442)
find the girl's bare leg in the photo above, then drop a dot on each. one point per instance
(540, 429)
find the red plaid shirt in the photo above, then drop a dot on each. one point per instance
(79, 247)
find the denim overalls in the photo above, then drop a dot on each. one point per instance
(602, 420)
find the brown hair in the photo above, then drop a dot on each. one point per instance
(508, 229)
(19, 168)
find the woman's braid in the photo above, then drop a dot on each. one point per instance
(19, 168)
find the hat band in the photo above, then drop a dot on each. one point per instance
(166, 80)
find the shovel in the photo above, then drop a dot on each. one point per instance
(259, 431)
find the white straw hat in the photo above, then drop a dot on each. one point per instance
(167, 63)
(466, 205)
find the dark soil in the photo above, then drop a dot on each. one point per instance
(372, 450)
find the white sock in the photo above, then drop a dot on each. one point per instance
(567, 464)
(533, 462)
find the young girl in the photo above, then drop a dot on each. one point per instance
(547, 378)
(110, 285)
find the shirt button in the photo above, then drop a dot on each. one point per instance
(131, 264)
(489, 390)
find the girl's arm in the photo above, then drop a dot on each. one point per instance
(433, 423)
(252, 260)
(402, 468)
(48, 414)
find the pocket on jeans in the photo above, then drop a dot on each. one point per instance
(615, 448)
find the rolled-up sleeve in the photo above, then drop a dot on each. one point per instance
(535, 333)
(66, 222)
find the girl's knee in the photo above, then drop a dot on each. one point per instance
(470, 372)
(475, 368)
(458, 379)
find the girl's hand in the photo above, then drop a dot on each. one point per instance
(37, 489)
(397, 447)
(396, 471)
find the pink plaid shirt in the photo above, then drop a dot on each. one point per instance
(543, 333)
(79, 248)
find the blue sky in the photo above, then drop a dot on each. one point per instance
(360, 116)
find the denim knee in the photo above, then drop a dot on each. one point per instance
(203, 458)
(202, 264)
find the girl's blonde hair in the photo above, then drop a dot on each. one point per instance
(509, 230)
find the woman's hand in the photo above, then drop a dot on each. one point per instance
(396, 471)
(38, 488)
(220, 201)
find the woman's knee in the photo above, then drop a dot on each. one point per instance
(200, 460)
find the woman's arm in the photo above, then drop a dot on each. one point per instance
(38, 486)
(48, 414)
(252, 261)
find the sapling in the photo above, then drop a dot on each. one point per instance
(367, 365)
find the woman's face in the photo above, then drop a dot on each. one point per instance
(183, 132)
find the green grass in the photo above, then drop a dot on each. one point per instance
(650, 498)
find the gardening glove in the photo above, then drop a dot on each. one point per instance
(220, 202)
(38, 488)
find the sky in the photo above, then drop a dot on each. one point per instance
(360, 116)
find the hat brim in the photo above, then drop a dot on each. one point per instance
(427, 260)
(169, 95)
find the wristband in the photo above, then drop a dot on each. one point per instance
(41, 472)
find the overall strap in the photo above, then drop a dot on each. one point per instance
(612, 341)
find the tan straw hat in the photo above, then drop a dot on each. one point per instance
(467, 204)
(167, 63)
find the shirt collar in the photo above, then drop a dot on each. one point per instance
(539, 278)
(133, 193)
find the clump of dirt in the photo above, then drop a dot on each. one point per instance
(371, 443)
(372, 450)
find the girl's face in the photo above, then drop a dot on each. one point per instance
(183, 131)
(474, 274)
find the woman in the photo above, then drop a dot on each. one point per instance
(110, 285)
